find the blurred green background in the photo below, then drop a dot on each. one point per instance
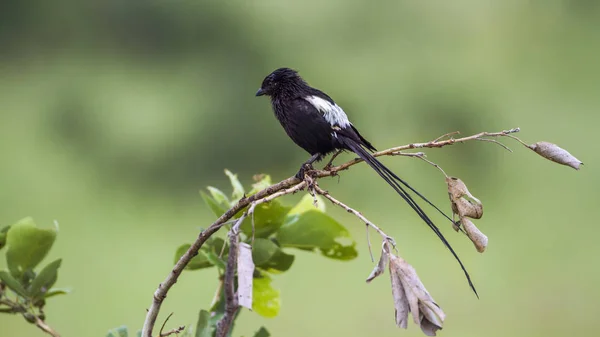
(113, 114)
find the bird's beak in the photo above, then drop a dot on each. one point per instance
(260, 92)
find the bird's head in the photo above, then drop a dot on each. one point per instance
(278, 81)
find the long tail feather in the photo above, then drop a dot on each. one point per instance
(388, 171)
(392, 179)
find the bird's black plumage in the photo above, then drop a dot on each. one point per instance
(318, 125)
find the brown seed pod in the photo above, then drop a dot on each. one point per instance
(556, 154)
(477, 237)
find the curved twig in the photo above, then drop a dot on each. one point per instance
(45, 327)
(359, 215)
(432, 144)
(497, 142)
(422, 156)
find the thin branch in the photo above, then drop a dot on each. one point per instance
(231, 302)
(356, 213)
(222, 249)
(432, 144)
(11, 304)
(282, 192)
(14, 308)
(170, 332)
(446, 135)
(330, 163)
(519, 140)
(433, 164)
(173, 331)
(369, 244)
(495, 141)
(164, 323)
(288, 186)
(251, 212)
(45, 327)
(422, 156)
(217, 296)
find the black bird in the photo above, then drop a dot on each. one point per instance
(318, 125)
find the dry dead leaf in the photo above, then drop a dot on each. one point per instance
(435, 318)
(455, 224)
(411, 296)
(401, 305)
(383, 262)
(245, 271)
(458, 189)
(556, 154)
(461, 206)
(465, 207)
(477, 237)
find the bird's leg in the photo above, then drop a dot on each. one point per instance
(330, 163)
(308, 165)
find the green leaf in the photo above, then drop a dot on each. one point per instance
(215, 245)
(262, 332)
(269, 256)
(198, 262)
(217, 208)
(217, 201)
(316, 230)
(208, 255)
(261, 184)
(13, 284)
(263, 250)
(26, 278)
(280, 262)
(27, 246)
(118, 332)
(45, 279)
(57, 291)
(238, 189)
(139, 333)
(219, 262)
(265, 300)
(203, 327)
(3, 232)
(307, 203)
(218, 195)
(268, 218)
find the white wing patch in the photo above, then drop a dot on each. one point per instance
(333, 113)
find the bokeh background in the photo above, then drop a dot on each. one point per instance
(113, 114)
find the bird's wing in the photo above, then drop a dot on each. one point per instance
(332, 112)
(308, 127)
(337, 118)
(363, 141)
